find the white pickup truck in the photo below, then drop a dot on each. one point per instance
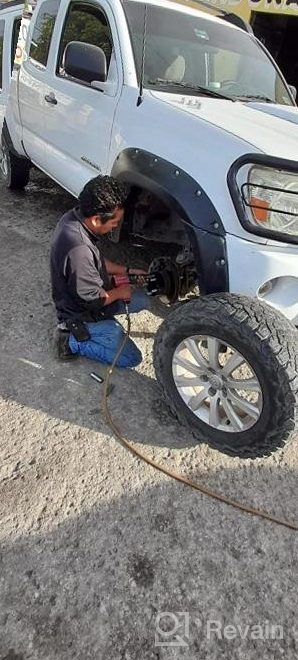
(189, 110)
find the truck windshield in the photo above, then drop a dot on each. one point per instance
(186, 53)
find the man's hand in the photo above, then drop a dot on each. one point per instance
(122, 292)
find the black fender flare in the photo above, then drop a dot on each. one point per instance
(181, 193)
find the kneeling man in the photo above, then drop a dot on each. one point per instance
(85, 299)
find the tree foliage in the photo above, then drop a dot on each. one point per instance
(81, 26)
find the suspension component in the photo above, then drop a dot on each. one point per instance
(165, 279)
(172, 280)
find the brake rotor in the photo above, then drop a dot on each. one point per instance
(167, 275)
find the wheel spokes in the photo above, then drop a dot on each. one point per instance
(180, 361)
(193, 348)
(248, 384)
(213, 351)
(3, 163)
(233, 363)
(234, 419)
(196, 401)
(245, 406)
(183, 381)
(214, 411)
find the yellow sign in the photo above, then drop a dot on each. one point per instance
(245, 7)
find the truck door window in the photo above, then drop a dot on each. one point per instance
(88, 24)
(42, 32)
(2, 24)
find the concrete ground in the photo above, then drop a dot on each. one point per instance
(95, 545)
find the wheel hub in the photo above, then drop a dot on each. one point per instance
(216, 381)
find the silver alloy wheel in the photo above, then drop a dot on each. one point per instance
(217, 383)
(3, 161)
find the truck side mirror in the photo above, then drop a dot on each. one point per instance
(85, 62)
(293, 91)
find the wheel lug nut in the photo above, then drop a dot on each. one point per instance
(212, 391)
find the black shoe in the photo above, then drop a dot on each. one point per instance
(61, 342)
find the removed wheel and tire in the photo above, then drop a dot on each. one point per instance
(14, 171)
(227, 368)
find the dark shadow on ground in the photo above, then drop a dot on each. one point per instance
(67, 392)
(91, 585)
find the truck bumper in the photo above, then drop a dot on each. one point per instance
(269, 272)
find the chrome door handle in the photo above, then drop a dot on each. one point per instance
(50, 98)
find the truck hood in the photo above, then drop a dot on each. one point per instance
(269, 128)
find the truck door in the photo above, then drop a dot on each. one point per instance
(79, 117)
(10, 21)
(33, 80)
(2, 104)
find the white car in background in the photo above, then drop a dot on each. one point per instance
(10, 22)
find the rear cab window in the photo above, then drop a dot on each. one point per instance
(15, 37)
(2, 26)
(42, 33)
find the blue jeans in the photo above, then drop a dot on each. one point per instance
(106, 335)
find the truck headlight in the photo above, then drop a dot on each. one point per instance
(271, 199)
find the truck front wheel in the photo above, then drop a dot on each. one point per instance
(14, 170)
(227, 368)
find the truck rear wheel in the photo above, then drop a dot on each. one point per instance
(14, 170)
(227, 368)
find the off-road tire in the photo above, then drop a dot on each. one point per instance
(16, 173)
(269, 343)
